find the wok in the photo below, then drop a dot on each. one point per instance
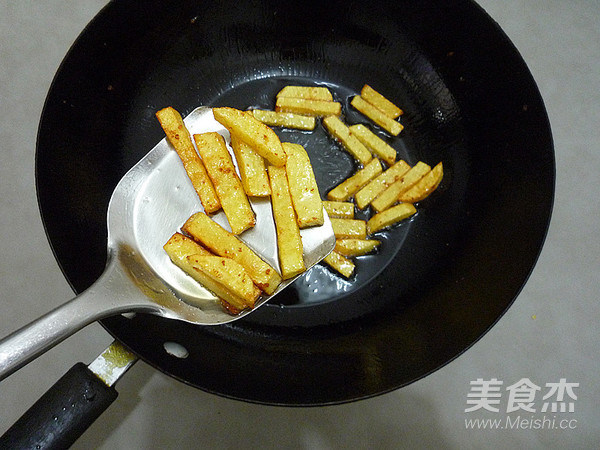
(441, 279)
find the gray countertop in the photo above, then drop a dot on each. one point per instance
(549, 334)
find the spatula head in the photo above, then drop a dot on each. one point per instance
(153, 201)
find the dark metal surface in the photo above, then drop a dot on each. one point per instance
(441, 280)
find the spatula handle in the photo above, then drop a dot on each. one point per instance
(30, 341)
(112, 294)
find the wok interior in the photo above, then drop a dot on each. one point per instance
(441, 279)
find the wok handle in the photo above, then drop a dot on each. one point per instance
(63, 413)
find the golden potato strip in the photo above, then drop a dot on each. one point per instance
(253, 132)
(253, 170)
(376, 115)
(308, 92)
(376, 186)
(228, 275)
(349, 228)
(425, 186)
(340, 264)
(355, 247)
(303, 186)
(285, 119)
(340, 210)
(390, 216)
(380, 102)
(223, 243)
(351, 185)
(179, 247)
(289, 242)
(220, 168)
(308, 107)
(341, 132)
(392, 193)
(374, 143)
(180, 138)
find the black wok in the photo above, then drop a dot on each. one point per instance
(441, 280)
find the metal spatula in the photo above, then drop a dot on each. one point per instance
(149, 204)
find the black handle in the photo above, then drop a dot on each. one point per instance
(63, 413)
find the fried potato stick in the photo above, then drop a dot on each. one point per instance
(340, 131)
(425, 186)
(392, 193)
(223, 243)
(340, 264)
(374, 143)
(351, 185)
(228, 185)
(376, 186)
(376, 115)
(307, 92)
(308, 107)
(289, 242)
(181, 140)
(253, 132)
(340, 210)
(253, 170)
(380, 102)
(390, 216)
(356, 247)
(349, 228)
(285, 119)
(180, 247)
(303, 186)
